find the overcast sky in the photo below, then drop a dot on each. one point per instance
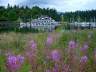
(59, 5)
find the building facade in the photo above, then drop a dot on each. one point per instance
(43, 23)
(84, 24)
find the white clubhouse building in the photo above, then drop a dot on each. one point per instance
(44, 23)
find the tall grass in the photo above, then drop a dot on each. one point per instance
(57, 56)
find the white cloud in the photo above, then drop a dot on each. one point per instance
(77, 4)
(72, 5)
(11, 2)
(60, 5)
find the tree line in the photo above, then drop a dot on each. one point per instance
(25, 13)
(15, 13)
(82, 16)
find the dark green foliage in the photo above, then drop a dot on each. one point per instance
(26, 13)
(8, 26)
(12, 15)
(89, 15)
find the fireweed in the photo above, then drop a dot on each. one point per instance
(57, 59)
(59, 65)
(56, 68)
(84, 49)
(83, 59)
(32, 44)
(47, 48)
(72, 44)
(94, 55)
(14, 63)
(55, 55)
(72, 57)
(31, 54)
(83, 63)
(31, 50)
(49, 41)
(71, 48)
(94, 59)
(48, 70)
(47, 51)
(66, 68)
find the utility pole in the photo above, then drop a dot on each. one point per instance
(94, 22)
(19, 21)
(62, 21)
(30, 22)
(91, 20)
(71, 23)
(78, 22)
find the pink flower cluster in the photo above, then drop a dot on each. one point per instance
(49, 41)
(72, 44)
(54, 56)
(14, 62)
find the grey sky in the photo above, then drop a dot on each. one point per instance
(60, 5)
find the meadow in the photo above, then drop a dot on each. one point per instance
(69, 51)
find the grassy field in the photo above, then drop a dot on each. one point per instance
(18, 42)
